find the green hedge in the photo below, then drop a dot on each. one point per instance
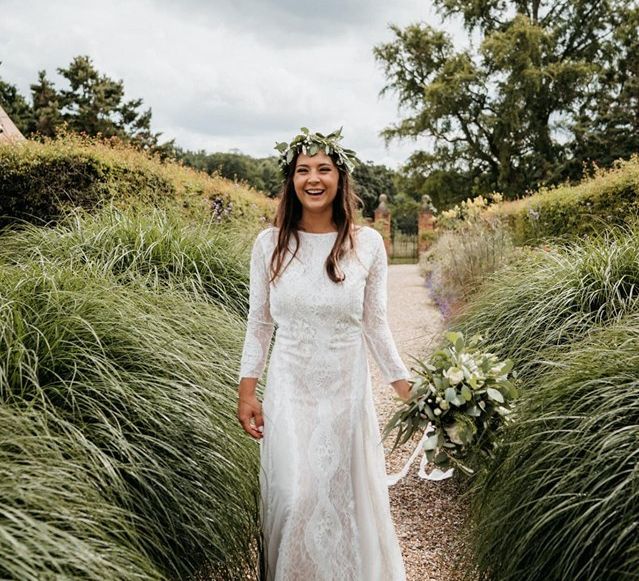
(39, 180)
(537, 306)
(38, 187)
(156, 248)
(119, 445)
(609, 198)
(561, 501)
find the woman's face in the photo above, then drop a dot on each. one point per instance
(316, 179)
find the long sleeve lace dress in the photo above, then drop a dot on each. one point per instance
(325, 506)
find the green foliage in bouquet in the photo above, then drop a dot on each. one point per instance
(465, 394)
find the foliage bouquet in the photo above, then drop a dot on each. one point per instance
(464, 394)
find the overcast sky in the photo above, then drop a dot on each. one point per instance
(227, 74)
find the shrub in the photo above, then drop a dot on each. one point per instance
(468, 211)
(609, 198)
(561, 501)
(39, 180)
(145, 382)
(460, 259)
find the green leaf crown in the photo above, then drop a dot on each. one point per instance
(312, 143)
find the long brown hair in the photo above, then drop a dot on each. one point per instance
(289, 213)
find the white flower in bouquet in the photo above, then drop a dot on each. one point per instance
(454, 375)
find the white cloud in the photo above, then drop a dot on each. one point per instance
(225, 74)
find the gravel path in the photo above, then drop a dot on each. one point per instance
(427, 514)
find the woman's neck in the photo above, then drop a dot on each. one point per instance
(317, 225)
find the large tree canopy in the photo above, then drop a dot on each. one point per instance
(512, 114)
(607, 124)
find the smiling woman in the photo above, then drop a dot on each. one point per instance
(325, 508)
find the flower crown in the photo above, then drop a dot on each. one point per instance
(312, 143)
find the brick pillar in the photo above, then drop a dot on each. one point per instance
(426, 223)
(383, 222)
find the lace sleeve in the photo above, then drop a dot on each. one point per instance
(376, 330)
(260, 326)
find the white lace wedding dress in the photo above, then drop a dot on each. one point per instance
(325, 505)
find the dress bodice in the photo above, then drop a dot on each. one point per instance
(308, 308)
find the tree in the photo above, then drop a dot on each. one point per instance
(405, 214)
(497, 114)
(94, 104)
(269, 175)
(263, 174)
(370, 181)
(46, 107)
(607, 125)
(445, 188)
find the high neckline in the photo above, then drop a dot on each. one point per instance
(355, 231)
(317, 233)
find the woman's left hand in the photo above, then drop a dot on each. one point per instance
(403, 388)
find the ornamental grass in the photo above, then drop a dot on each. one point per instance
(561, 501)
(537, 307)
(57, 518)
(156, 248)
(120, 448)
(460, 259)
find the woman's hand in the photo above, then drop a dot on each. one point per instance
(249, 408)
(403, 388)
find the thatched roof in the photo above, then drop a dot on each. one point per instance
(9, 133)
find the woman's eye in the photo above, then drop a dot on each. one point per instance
(322, 170)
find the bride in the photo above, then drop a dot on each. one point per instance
(319, 282)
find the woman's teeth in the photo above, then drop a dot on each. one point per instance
(314, 192)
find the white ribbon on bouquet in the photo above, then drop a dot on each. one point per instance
(434, 474)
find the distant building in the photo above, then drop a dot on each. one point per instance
(9, 133)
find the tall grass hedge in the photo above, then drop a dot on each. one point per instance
(561, 498)
(120, 405)
(561, 501)
(536, 307)
(156, 248)
(607, 198)
(40, 180)
(57, 518)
